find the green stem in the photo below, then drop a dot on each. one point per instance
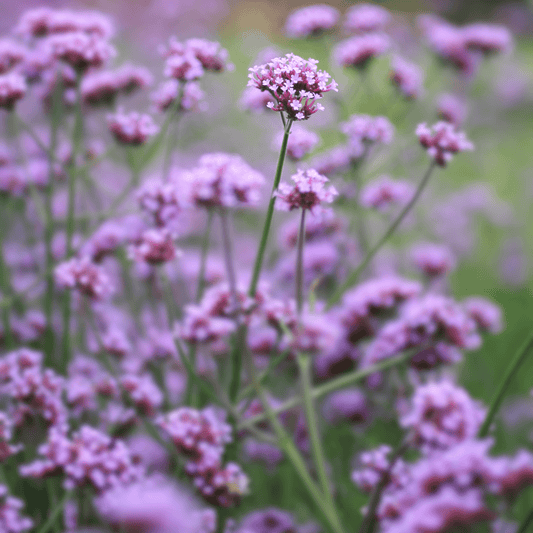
(512, 369)
(354, 275)
(300, 265)
(304, 364)
(525, 524)
(76, 146)
(55, 513)
(331, 386)
(288, 446)
(5, 286)
(270, 211)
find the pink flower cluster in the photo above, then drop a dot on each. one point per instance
(365, 129)
(433, 259)
(295, 83)
(407, 77)
(301, 142)
(192, 97)
(189, 61)
(85, 276)
(442, 141)
(154, 246)
(358, 51)
(11, 54)
(383, 192)
(442, 415)
(131, 128)
(308, 192)
(90, 457)
(366, 18)
(201, 436)
(223, 180)
(12, 88)
(102, 88)
(311, 21)
(11, 521)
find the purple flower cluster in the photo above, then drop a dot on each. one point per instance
(11, 521)
(311, 21)
(295, 83)
(442, 141)
(301, 142)
(383, 192)
(407, 77)
(366, 18)
(308, 192)
(433, 259)
(201, 436)
(131, 128)
(357, 52)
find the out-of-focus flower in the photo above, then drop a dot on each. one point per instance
(308, 192)
(11, 521)
(487, 38)
(366, 18)
(347, 404)
(365, 130)
(407, 77)
(442, 141)
(300, 143)
(153, 505)
(192, 97)
(12, 88)
(131, 128)
(433, 259)
(311, 21)
(79, 50)
(223, 180)
(358, 51)
(155, 246)
(11, 54)
(487, 314)
(253, 99)
(383, 192)
(442, 415)
(452, 108)
(295, 83)
(85, 276)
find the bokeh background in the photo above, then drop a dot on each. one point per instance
(496, 245)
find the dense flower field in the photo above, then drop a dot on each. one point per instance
(228, 303)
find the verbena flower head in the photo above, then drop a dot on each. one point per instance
(189, 60)
(487, 38)
(79, 50)
(487, 314)
(192, 97)
(358, 51)
(433, 259)
(383, 192)
(407, 77)
(154, 246)
(366, 17)
(308, 192)
(131, 128)
(11, 54)
(452, 108)
(11, 520)
(12, 88)
(442, 141)
(223, 180)
(85, 276)
(255, 100)
(366, 129)
(346, 405)
(295, 83)
(301, 142)
(442, 415)
(311, 21)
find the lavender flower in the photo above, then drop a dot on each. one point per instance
(357, 52)
(309, 192)
(85, 276)
(348, 404)
(155, 246)
(487, 38)
(79, 50)
(11, 54)
(407, 77)
(131, 128)
(311, 21)
(295, 83)
(452, 108)
(367, 129)
(383, 192)
(255, 100)
(442, 415)
(366, 18)
(433, 259)
(487, 314)
(301, 142)
(11, 521)
(442, 141)
(12, 88)
(223, 180)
